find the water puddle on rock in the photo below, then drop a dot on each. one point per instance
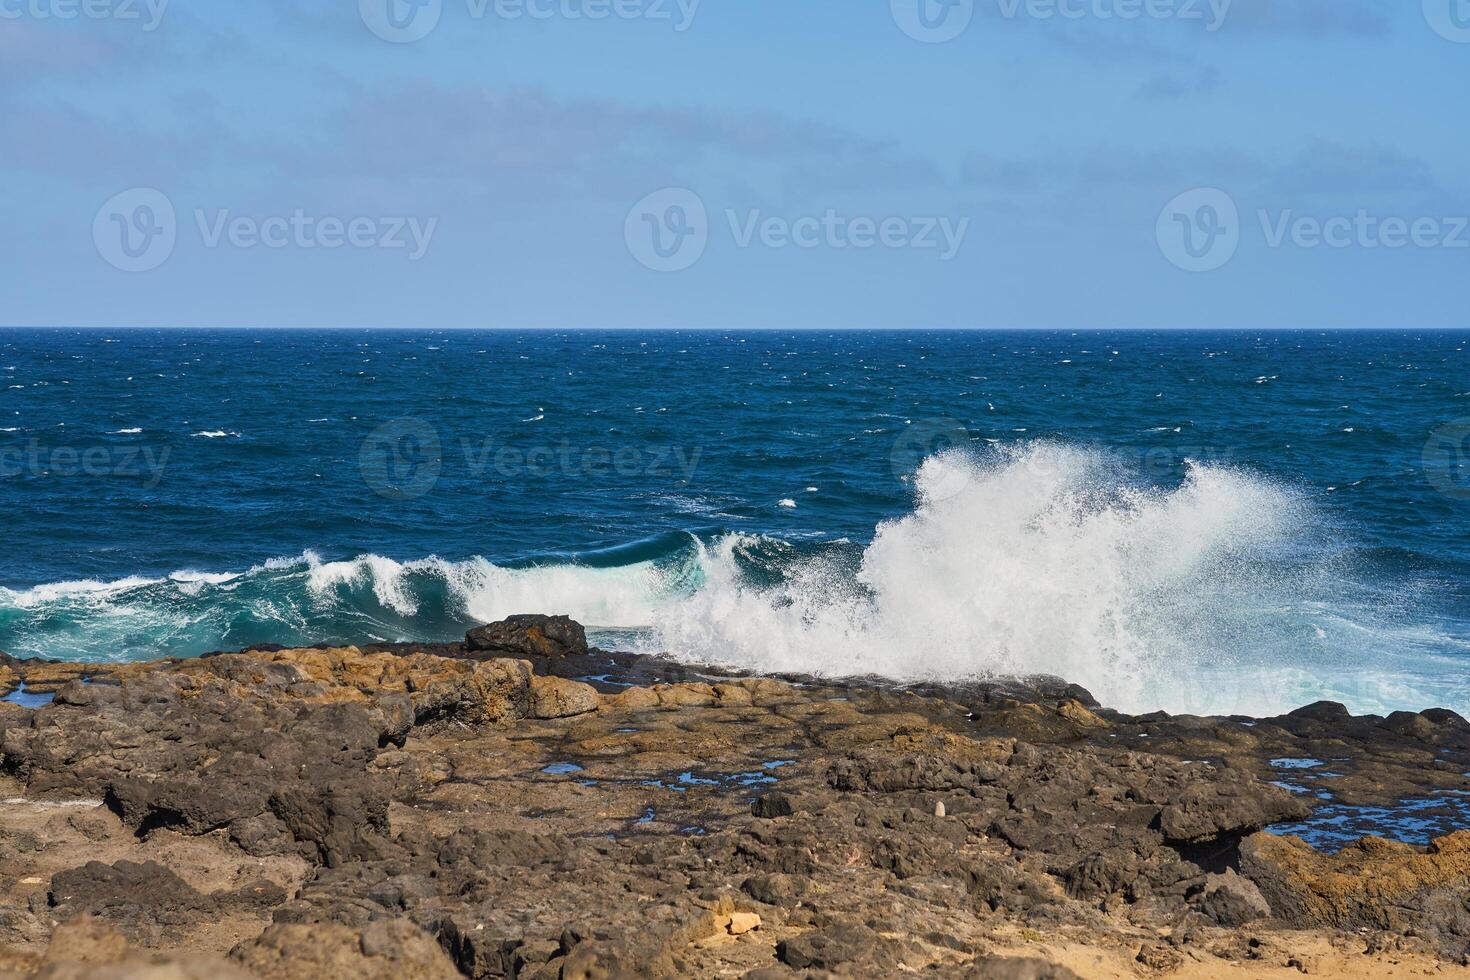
(1332, 826)
(765, 776)
(26, 699)
(1297, 763)
(1414, 820)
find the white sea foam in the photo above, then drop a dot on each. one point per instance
(622, 597)
(216, 434)
(89, 590)
(1040, 560)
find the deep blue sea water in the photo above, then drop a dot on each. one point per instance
(1195, 521)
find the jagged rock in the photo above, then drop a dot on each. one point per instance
(1230, 900)
(772, 806)
(782, 890)
(743, 922)
(1018, 968)
(528, 636)
(1204, 811)
(1374, 884)
(387, 949)
(140, 899)
(407, 808)
(1323, 711)
(826, 949)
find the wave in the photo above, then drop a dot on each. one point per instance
(1222, 594)
(1043, 558)
(304, 599)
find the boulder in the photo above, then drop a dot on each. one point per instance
(1229, 900)
(528, 636)
(557, 697)
(387, 949)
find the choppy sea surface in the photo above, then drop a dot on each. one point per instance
(1232, 522)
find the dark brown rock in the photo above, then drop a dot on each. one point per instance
(528, 636)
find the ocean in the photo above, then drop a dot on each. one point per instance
(1210, 522)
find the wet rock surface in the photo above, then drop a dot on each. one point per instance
(524, 806)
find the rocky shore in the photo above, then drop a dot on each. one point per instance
(519, 805)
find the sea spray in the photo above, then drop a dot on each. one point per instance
(1037, 559)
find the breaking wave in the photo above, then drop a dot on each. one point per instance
(1218, 595)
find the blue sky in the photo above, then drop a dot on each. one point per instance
(1055, 163)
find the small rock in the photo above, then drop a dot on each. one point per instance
(1325, 711)
(1157, 957)
(743, 922)
(839, 943)
(782, 890)
(939, 809)
(773, 805)
(1232, 901)
(557, 697)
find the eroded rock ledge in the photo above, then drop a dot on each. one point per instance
(478, 810)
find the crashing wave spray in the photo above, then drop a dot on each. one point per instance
(1040, 559)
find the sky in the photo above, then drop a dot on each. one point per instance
(1059, 164)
